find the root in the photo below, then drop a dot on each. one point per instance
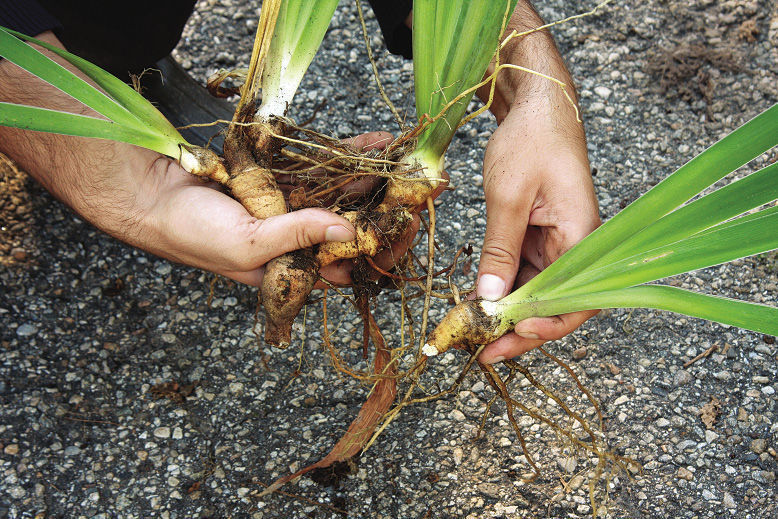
(286, 285)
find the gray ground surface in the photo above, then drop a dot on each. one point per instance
(89, 325)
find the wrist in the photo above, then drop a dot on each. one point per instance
(543, 76)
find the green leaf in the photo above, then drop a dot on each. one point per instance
(54, 121)
(744, 236)
(751, 316)
(298, 33)
(453, 43)
(18, 52)
(742, 145)
(123, 99)
(755, 190)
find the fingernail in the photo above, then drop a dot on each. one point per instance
(490, 287)
(338, 233)
(497, 359)
(528, 335)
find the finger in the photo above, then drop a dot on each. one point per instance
(507, 215)
(337, 273)
(370, 141)
(551, 328)
(299, 230)
(507, 347)
(386, 259)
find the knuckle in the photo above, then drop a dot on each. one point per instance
(495, 254)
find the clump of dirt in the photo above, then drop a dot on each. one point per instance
(16, 214)
(687, 70)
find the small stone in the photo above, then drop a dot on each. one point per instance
(708, 495)
(759, 445)
(142, 455)
(230, 301)
(603, 91)
(759, 379)
(458, 455)
(72, 451)
(242, 491)
(26, 330)
(621, 400)
(236, 387)
(162, 432)
(662, 422)
(682, 377)
(684, 473)
(742, 414)
(505, 442)
(168, 338)
(457, 415)
(16, 492)
(11, 449)
(579, 353)
(490, 489)
(178, 433)
(768, 390)
(710, 436)
(729, 501)
(19, 254)
(568, 464)
(164, 269)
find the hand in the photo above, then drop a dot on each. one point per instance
(339, 273)
(148, 200)
(540, 202)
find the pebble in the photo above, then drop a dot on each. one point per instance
(26, 330)
(11, 449)
(162, 432)
(458, 454)
(72, 451)
(684, 473)
(163, 269)
(490, 489)
(568, 464)
(729, 501)
(603, 91)
(682, 377)
(579, 353)
(17, 492)
(19, 254)
(178, 433)
(708, 495)
(710, 436)
(621, 400)
(457, 415)
(662, 422)
(758, 445)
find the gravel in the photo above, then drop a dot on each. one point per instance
(90, 329)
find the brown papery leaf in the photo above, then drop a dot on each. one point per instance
(373, 410)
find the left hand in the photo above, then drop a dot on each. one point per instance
(540, 202)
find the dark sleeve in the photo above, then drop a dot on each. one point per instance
(391, 15)
(26, 16)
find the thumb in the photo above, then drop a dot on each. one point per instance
(506, 224)
(301, 229)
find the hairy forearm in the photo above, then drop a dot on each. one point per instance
(537, 52)
(90, 175)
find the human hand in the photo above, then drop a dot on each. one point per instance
(148, 200)
(540, 202)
